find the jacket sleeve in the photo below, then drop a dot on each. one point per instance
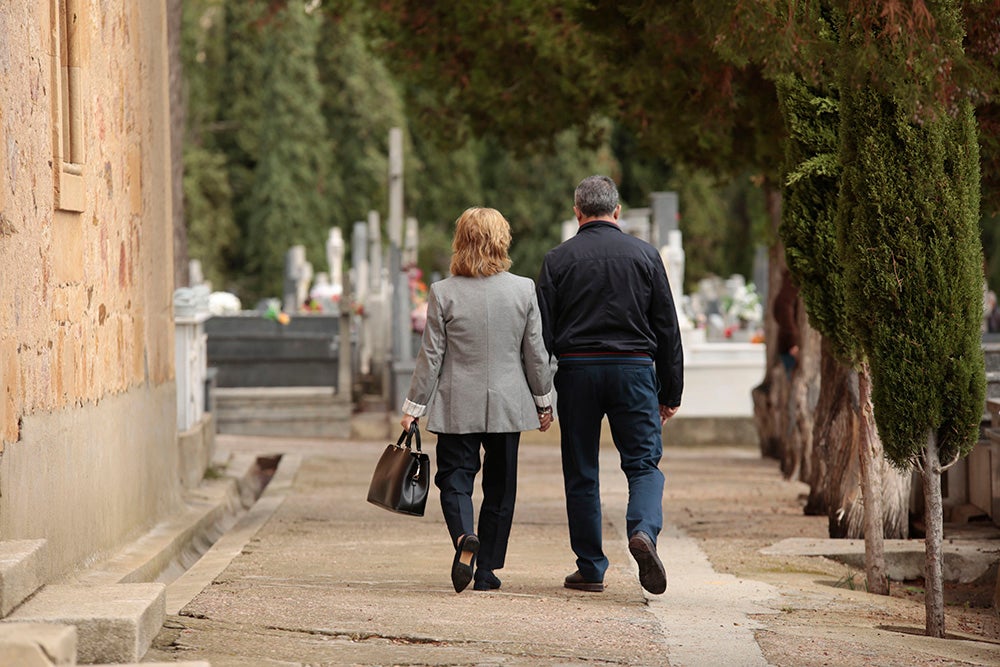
(427, 370)
(535, 357)
(546, 293)
(669, 353)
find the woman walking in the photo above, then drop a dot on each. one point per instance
(482, 376)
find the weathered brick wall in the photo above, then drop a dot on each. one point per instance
(85, 294)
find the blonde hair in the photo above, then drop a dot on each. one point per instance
(482, 238)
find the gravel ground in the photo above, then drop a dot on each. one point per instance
(735, 504)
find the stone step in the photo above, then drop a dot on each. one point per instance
(276, 395)
(282, 411)
(37, 644)
(20, 576)
(175, 544)
(226, 414)
(115, 623)
(288, 428)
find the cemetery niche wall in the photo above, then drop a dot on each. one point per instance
(252, 350)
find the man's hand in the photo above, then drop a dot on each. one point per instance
(406, 421)
(666, 413)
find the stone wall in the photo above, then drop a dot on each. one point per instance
(86, 330)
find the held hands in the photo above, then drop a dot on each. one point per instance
(666, 413)
(544, 418)
(545, 421)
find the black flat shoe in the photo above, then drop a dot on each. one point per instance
(465, 559)
(578, 583)
(486, 581)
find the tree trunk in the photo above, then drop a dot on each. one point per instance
(934, 519)
(803, 395)
(870, 450)
(828, 432)
(766, 407)
(765, 413)
(835, 481)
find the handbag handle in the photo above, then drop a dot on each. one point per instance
(408, 434)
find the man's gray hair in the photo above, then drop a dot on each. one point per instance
(596, 196)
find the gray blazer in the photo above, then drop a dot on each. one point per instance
(482, 367)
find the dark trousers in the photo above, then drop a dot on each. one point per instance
(458, 463)
(627, 394)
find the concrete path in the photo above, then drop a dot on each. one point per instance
(315, 575)
(706, 616)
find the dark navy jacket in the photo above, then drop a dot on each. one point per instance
(606, 291)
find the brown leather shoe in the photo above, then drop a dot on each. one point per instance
(578, 583)
(652, 576)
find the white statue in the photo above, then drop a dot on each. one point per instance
(335, 258)
(672, 255)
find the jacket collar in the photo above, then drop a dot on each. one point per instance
(594, 224)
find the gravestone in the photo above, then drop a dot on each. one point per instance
(635, 222)
(298, 276)
(335, 259)
(665, 216)
(411, 243)
(672, 255)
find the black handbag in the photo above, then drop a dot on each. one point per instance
(402, 476)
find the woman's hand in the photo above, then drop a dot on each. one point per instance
(545, 421)
(544, 418)
(407, 420)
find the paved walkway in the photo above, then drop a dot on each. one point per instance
(315, 575)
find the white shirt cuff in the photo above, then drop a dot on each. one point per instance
(543, 401)
(414, 409)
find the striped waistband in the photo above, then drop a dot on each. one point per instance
(635, 358)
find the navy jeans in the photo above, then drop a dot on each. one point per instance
(457, 465)
(627, 394)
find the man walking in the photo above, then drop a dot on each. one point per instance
(608, 315)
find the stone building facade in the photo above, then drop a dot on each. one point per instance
(88, 430)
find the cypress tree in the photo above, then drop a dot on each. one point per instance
(848, 447)
(812, 186)
(910, 244)
(361, 103)
(908, 234)
(241, 110)
(211, 230)
(286, 203)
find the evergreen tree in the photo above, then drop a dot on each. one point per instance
(912, 253)
(908, 235)
(286, 204)
(536, 206)
(211, 231)
(361, 103)
(812, 186)
(241, 108)
(442, 179)
(850, 452)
